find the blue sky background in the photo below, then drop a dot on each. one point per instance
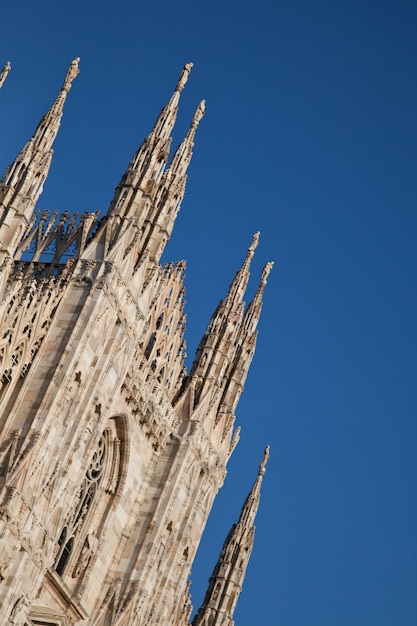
(310, 137)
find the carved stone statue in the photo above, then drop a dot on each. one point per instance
(90, 544)
(255, 241)
(198, 115)
(265, 272)
(264, 461)
(20, 610)
(4, 567)
(184, 76)
(72, 73)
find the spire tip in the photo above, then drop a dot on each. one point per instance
(184, 77)
(266, 271)
(199, 113)
(72, 73)
(262, 466)
(255, 241)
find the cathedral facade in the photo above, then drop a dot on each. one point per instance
(111, 453)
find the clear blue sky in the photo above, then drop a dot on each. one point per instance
(310, 137)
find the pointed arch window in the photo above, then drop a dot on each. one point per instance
(86, 496)
(97, 497)
(79, 537)
(159, 321)
(150, 345)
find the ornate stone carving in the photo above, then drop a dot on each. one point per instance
(110, 455)
(90, 545)
(20, 611)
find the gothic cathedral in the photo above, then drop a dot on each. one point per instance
(111, 453)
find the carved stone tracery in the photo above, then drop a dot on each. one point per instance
(85, 500)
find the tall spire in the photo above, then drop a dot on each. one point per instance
(167, 117)
(246, 344)
(148, 163)
(146, 202)
(212, 389)
(231, 308)
(253, 312)
(183, 153)
(251, 505)
(168, 198)
(221, 363)
(213, 354)
(3, 74)
(229, 572)
(22, 183)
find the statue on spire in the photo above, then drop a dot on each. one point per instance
(3, 75)
(255, 241)
(184, 76)
(262, 466)
(266, 271)
(199, 113)
(72, 73)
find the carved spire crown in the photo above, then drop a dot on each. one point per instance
(166, 119)
(38, 150)
(22, 182)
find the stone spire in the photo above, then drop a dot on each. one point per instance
(146, 202)
(182, 157)
(22, 183)
(246, 344)
(217, 351)
(229, 572)
(148, 163)
(3, 74)
(167, 117)
(230, 310)
(234, 298)
(170, 192)
(253, 312)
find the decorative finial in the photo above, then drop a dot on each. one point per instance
(255, 241)
(184, 77)
(72, 73)
(266, 271)
(199, 113)
(262, 465)
(3, 75)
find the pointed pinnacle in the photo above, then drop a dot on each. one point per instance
(255, 241)
(262, 466)
(182, 157)
(183, 77)
(244, 270)
(250, 253)
(199, 113)
(254, 309)
(266, 271)
(72, 73)
(33, 162)
(242, 276)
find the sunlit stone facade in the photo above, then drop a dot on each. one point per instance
(111, 453)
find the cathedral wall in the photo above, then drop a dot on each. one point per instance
(110, 456)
